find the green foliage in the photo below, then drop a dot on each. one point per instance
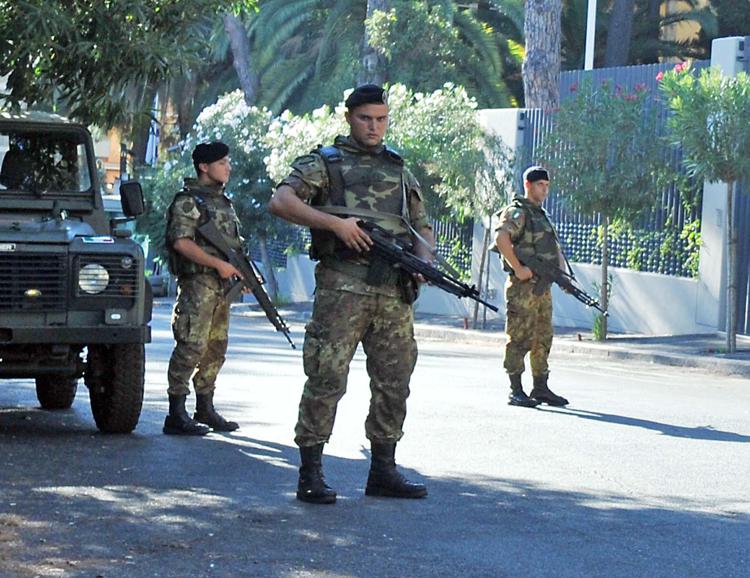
(455, 44)
(709, 121)
(733, 17)
(92, 59)
(243, 129)
(307, 52)
(604, 152)
(438, 133)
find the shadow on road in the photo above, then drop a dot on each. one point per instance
(707, 432)
(223, 505)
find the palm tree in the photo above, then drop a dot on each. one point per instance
(308, 52)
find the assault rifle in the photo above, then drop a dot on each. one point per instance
(398, 253)
(548, 274)
(251, 277)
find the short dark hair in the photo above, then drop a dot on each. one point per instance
(535, 173)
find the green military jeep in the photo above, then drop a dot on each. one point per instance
(74, 301)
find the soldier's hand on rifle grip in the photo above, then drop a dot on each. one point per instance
(227, 270)
(353, 236)
(523, 273)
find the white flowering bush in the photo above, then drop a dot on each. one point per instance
(438, 134)
(242, 128)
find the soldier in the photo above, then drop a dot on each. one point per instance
(357, 299)
(524, 230)
(200, 321)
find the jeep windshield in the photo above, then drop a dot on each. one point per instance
(43, 163)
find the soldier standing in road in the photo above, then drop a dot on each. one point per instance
(525, 230)
(358, 298)
(200, 321)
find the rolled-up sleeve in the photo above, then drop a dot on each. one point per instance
(308, 179)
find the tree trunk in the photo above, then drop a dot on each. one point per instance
(373, 64)
(541, 66)
(241, 59)
(265, 258)
(731, 322)
(139, 130)
(619, 32)
(604, 289)
(485, 243)
(653, 21)
(184, 94)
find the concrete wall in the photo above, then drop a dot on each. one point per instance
(642, 303)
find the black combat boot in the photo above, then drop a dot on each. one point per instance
(385, 480)
(178, 421)
(517, 395)
(205, 413)
(312, 485)
(543, 394)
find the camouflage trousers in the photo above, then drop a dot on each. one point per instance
(200, 324)
(528, 327)
(340, 321)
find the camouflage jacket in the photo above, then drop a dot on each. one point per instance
(371, 181)
(531, 231)
(191, 207)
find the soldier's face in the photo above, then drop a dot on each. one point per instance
(537, 191)
(217, 171)
(368, 123)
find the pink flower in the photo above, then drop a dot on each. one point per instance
(641, 86)
(630, 97)
(680, 67)
(574, 87)
(659, 76)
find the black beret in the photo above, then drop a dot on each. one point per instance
(366, 94)
(209, 152)
(533, 174)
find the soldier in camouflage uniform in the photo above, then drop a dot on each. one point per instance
(357, 299)
(200, 321)
(525, 230)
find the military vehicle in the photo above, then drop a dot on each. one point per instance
(74, 301)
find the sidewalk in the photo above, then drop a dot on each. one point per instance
(690, 351)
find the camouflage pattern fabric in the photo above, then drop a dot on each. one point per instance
(200, 320)
(372, 180)
(528, 322)
(184, 217)
(340, 321)
(528, 327)
(530, 230)
(200, 324)
(347, 309)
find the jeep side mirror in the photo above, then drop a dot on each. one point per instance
(131, 197)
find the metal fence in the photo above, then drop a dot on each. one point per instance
(656, 244)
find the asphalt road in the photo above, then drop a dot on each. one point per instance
(644, 474)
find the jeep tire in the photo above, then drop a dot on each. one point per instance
(56, 391)
(115, 377)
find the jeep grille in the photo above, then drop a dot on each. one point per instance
(31, 281)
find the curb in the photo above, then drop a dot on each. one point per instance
(565, 345)
(570, 347)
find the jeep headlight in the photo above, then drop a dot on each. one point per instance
(93, 278)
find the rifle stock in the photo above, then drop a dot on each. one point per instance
(251, 278)
(548, 274)
(394, 251)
